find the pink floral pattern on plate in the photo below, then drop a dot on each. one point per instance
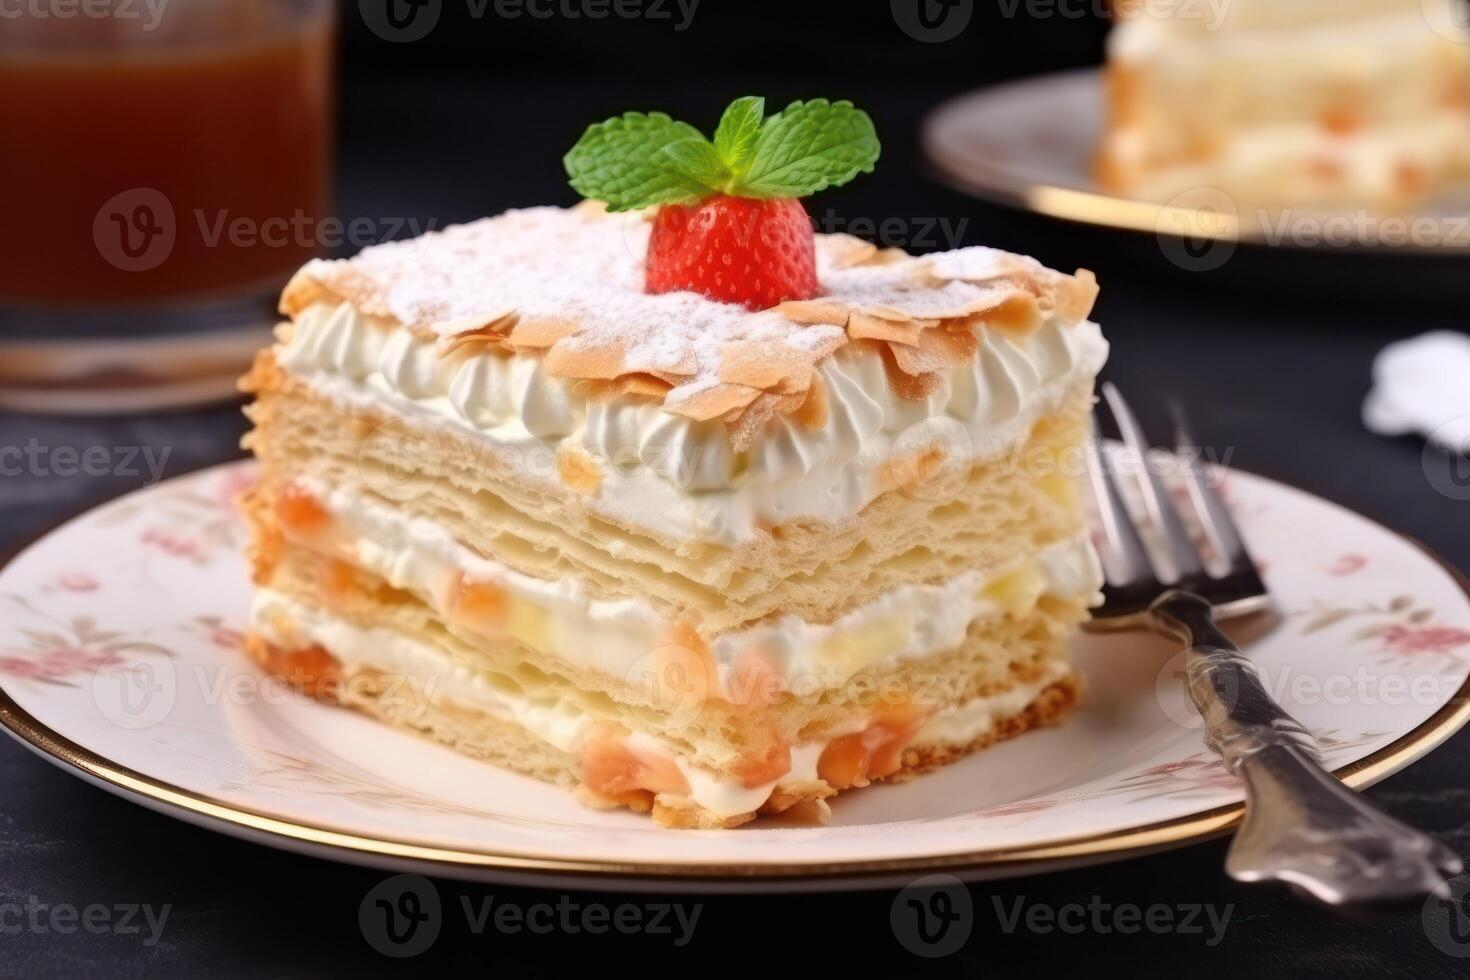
(159, 575)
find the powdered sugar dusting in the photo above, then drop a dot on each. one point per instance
(574, 277)
(575, 264)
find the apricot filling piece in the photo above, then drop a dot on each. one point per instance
(311, 669)
(610, 768)
(301, 515)
(481, 606)
(875, 752)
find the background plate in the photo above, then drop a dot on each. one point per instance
(1031, 144)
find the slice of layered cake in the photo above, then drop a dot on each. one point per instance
(1323, 105)
(705, 557)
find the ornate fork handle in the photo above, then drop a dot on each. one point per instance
(1301, 825)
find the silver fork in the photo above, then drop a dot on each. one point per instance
(1302, 826)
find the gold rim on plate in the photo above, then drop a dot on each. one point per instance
(131, 784)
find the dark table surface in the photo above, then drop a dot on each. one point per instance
(1276, 375)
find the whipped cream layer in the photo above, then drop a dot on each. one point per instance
(678, 477)
(565, 718)
(620, 637)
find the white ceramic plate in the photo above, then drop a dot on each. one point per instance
(119, 661)
(1032, 143)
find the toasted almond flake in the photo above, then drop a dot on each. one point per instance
(814, 410)
(471, 343)
(493, 321)
(302, 291)
(811, 312)
(865, 326)
(712, 402)
(538, 333)
(937, 350)
(643, 385)
(749, 362)
(1077, 301)
(1019, 315)
(914, 387)
(597, 360)
(744, 426)
(848, 251)
(636, 386)
(888, 313)
(889, 256)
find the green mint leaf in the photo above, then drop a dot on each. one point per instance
(739, 129)
(619, 161)
(809, 146)
(697, 159)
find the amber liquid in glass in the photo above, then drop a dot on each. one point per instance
(215, 126)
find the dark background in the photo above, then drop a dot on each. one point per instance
(474, 118)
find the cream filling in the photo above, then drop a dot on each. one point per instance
(619, 637)
(1368, 163)
(677, 477)
(1288, 37)
(565, 718)
(963, 723)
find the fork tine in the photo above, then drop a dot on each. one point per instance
(1128, 555)
(1161, 510)
(1219, 526)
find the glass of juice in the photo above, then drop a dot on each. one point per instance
(167, 167)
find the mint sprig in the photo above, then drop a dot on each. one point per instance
(621, 161)
(738, 131)
(638, 160)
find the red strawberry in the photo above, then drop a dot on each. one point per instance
(752, 251)
(730, 224)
